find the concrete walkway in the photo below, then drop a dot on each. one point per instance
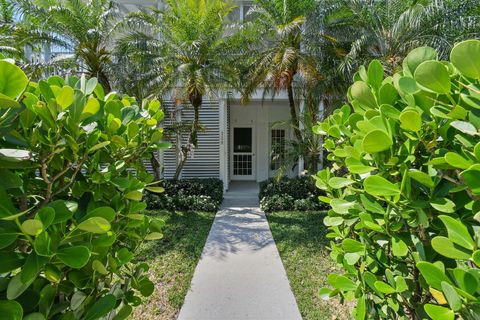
(240, 275)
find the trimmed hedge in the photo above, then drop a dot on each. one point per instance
(189, 194)
(299, 194)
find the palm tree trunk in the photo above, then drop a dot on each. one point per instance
(193, 137)
(293, 113)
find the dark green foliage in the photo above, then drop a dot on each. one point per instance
(71, 210)
(290, 194)
(189, 194)
(404, 187)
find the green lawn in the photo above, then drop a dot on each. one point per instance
(172, 262)
(300, 239)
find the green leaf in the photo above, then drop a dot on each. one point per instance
(472, 179)
(91, 85)
(338, 182)
(91, 108)
(360, 309)
(74, 257)
(433, 76)
(361, 92)
(384, 287)
(476, 258)
(457, 161)
(452, 297)
(411, 120)
(154, 236)
(16, 287)
(443, 205)
(465, 127)
(10, 261)
(350, 245)
(34, 316)
(65, 97)
(399, 248)
(356, 166)
(105, 212)
(439, 313)
(477, 151)
(146, 287)
(124, 256)
(46, 215)
(417, 56)
(10, 180)
(32, 227)
(123, 313)
(99, 267)
(432, 274)
(134, 195)
(7, 237)
(341, 206)
(77, 300)
(387, 95)
(333, 221)
(464, 57)
(458, 232)
(11, 310)
(102, 307)
(376, 141)
(344, 284)
(95, 225)
(447, 248)
(375, 74)
(99, 146)
(62, 211)
(155, 189)
(421, 177)
(32, 267)
(381, 187)
(12, 79)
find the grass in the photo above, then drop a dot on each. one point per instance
(301, 241)
(172, 262)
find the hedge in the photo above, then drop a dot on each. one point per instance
(404, 188)
(70, 209)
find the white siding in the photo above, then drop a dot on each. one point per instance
(204, 162)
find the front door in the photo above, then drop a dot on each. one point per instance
(243, 155)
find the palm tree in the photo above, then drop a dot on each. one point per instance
(387, 30)
(84, 27)
(277, 60)
(187, 51)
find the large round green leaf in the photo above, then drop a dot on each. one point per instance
(411, 120)
(12, 79)
(458, 232)
(375, 74)
(387, 94)
(376, 141)
(378, 186)
(10, 261)
(75, 257)
(105, 212)
(95, 225)
(361, 92)
(464, 57)
(32, 227)
(433, 76)
(417, 56)
(11, 310)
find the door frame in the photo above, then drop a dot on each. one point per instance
(253, 176)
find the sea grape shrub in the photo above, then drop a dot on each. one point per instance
(404, 188)
(71, 184)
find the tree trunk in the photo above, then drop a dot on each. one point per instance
(196, 101)
(293, 113)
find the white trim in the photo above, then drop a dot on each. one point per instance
(253, 176)
(223, 137)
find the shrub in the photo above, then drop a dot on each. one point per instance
(70, 203)
(189, 194)
(297, 193)
(404, 188)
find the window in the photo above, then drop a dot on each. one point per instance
(246, 9)
(278, 148)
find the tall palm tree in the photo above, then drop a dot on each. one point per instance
(85, 28)
(187, 51)
(277, 59)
